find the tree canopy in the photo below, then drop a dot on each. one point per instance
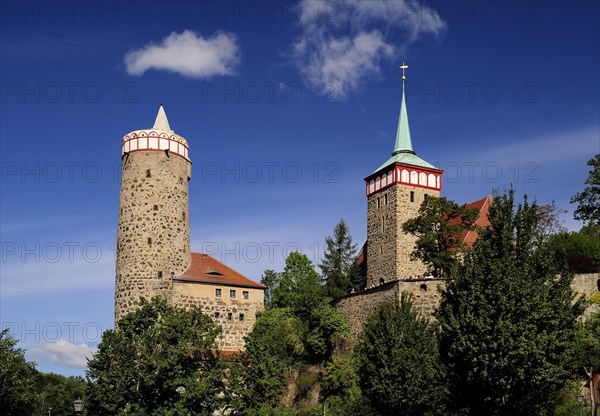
(507, 319)
(398, 362)
(17, 379)
(438, 226)
(588, 200)
(162, 360)
(338, 267)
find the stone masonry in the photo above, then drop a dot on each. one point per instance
(426, 298)
(389, 249)
(153, 234)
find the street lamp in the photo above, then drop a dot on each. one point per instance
(78, 405)
(580, 400)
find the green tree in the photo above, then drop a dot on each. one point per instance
(58, 392)
(438, 226)
(339, 269)
(580, 251)
(398, 362)
(17, 379)
(162, 360)
(507, 319)
(588, 201)
(269, 278)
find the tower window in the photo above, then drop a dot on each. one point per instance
(217, 315)
(229, 316)
(241, 316)
(378, 202)
(412, 196)
(155, 207)
(180, 180)
(425, 197)
(232, 294)
(383, 224)
(148, 173)
(381, 281)
(183, 216)
(380, 249)
(385, 197)
(245, 294)
(160, 275)
(149, 241)
(218, 292)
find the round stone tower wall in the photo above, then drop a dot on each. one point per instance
(153, 235)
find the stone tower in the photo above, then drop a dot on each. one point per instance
(153, 235)
(395, 191)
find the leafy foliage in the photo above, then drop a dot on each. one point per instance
(507, 320)
(17, 379)
(299, 329)
(588, 208)
(269, 278)
(160, 361)
(438, 226)
(58, 392)
(340, 271)
(399, 367)
(580, 251)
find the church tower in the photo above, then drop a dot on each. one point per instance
(395, 191)
(153, 235)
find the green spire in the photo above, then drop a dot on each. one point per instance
(403, 140)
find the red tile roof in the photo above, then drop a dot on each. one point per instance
(482, 221)
(207, 269)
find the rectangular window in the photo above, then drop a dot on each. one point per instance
(149, 241)
(378, 202)
(148, 173)
(155, 207)
(241, 316)
(412, 196)
(385, 199)
(245, 294)
(232, 294)
(217, 315)
(229, 316)
(160, 275)
(218, 292)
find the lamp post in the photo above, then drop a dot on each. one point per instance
(78, 405)
(580, 400)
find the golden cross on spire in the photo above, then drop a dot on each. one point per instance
(403, 67)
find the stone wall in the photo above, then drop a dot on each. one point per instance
(356, 307)
(235, 316)
(388, 256)
(153, 237)
(426, 297)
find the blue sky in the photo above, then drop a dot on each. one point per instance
(286, 106)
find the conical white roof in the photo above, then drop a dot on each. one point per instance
(162, 122)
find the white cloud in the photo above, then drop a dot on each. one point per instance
(63, 353)
(187, 54)
(340, 63)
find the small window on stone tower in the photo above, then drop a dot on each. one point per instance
(148, 173)
(155, 207)
(383, 225)
(160, 275)
(149, 241)
(241, 316)
(378, 202)
(423, 287)
(180, 180)
(381, 281)
(412, 196)
(380, 249)
(385, 199)
(217, 315)
(229, 316)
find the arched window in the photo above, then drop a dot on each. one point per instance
(404, 175)
(383, 181)
(372, 186)
(381, 281)
(377, 183)
(431, 180)
(414, 177)
(437, 181)
(390, 179)
(422, 179)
